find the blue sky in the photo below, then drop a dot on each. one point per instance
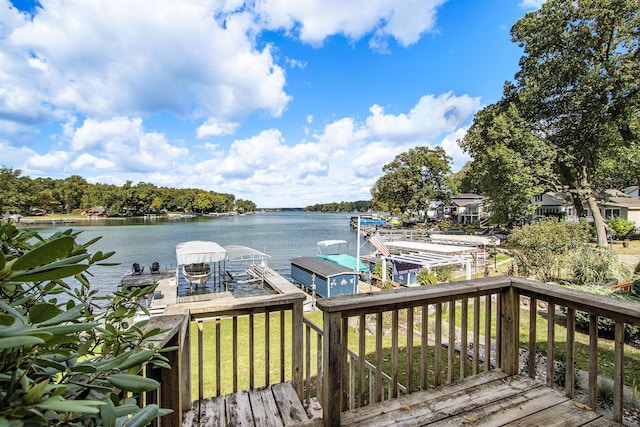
(284, 102)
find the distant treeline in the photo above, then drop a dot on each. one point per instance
(359, 206)
(23, 195)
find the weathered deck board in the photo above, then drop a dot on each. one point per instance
(524, 404)
(209, 412)
(564, 414)
(275, 406)
(291, 408)
(265, 409)
(238, 409)
(488, 399)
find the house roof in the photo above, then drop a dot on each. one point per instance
(561, 197)
(462, 203)
(622, 202)
(321, 266)
(469, 196)
(632, 189)
(615, 193)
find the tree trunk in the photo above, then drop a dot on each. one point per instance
(577, 203)
(598, 221)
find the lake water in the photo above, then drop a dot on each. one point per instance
(282, 235)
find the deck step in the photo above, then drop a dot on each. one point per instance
(274, 406)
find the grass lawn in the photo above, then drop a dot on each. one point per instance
(605, 361)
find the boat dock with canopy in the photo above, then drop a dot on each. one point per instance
(196, 257)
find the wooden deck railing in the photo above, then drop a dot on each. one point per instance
(282, 349)
(175, 386)
(374, 347)
(459, 329)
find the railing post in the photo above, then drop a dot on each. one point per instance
(174, 391)
(618, 377)
(297, 349)
(185, 364)
(332, 369)
(171, 380)
(510, 321)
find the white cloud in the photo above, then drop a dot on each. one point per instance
(118, 58)
(123, 144)
(432, 116)
(315, 20)
(215, 127)
(87, 161)
(340, 161)
(12, 155)
(531, 4)
(52, 160)
(95, 59)
(450, 145)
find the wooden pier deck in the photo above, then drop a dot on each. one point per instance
(489, 399)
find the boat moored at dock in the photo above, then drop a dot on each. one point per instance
(196, 273)
(196, 257)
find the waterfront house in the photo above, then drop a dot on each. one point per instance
(621, 207)
(554, 203)
(468, 208)
(613, 204)
(95, 212)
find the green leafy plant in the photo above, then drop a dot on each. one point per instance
(545, 248)
(621, 227)
(427, 277)
(67, 355)
(444, 273)
(596, 267)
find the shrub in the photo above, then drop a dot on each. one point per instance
(64, 357)
(427, 277)
(591, 266)
(621, 228)
(443, 272)
(604, 393)
(606, 326)
(543, 249)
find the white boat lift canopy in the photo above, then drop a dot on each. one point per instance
(244, 253)
(199, 251)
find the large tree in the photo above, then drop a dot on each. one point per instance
(510, 166)
(579, 85)
(578, 92)
(413, 179)
(70, 191)
(16, 195)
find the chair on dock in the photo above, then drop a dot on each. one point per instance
(137, 270)
(155, 268)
